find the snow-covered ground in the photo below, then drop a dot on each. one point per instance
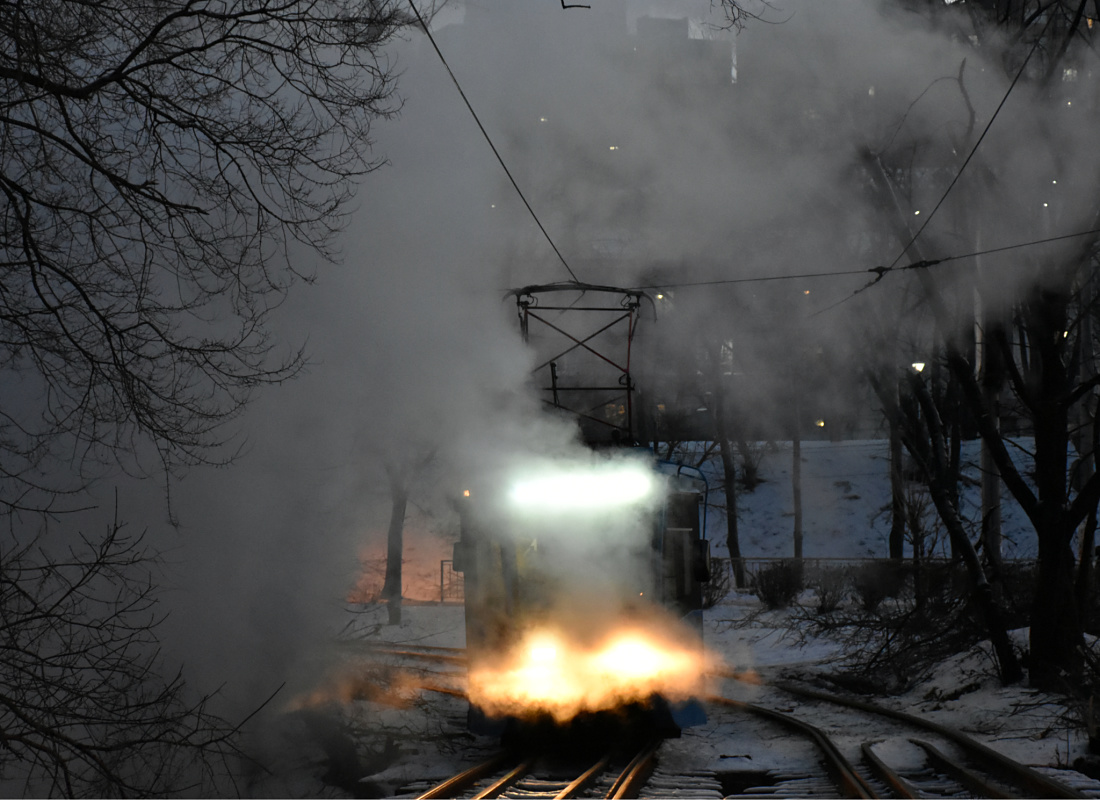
(845, 501)
(845, 488)
(427, 739)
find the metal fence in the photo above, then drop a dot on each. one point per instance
(452, 585)
(817, 564)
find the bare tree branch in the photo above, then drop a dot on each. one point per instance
(158, 163)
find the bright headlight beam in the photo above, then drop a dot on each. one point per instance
(583, 489)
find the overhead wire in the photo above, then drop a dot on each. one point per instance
(879, 271)
(977, 144)
(492, 146)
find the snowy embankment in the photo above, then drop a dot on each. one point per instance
(846, 502)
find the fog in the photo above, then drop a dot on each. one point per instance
(647, 165)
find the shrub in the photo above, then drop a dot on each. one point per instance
(778, 585)
(720, 583)
(1016, 593)
(830, 586)
(752, 454)
(874, 581)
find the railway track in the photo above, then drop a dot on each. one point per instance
(629, 773)
(916, 758)
(832, 773)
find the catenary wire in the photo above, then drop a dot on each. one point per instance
(977, 144)
(879, 271)
(492, 146)
(958, 174)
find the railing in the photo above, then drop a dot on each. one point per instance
(452, 585)
(755, 564)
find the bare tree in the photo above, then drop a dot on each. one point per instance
(84, 706)
(402, 472)
(722, 435)
(927, 440)
(1035, 340)
(738, 12)
(160, 164)
(165, 169)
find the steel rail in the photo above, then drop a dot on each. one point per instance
(1034, 783)
(458, 651)
(589, 775)
(465, 779)
(434, 687)
(637, 772)
(967, 777)
(497, 788)
(441, 658)
(887, 774)
(850, 782)
(451, 655)
(627, 784)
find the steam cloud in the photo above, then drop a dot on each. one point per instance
(414, 350)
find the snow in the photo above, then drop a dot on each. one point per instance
(846, 485)
(846, 501)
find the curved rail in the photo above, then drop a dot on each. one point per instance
(637, 772)
(887, 774)
(978, 785)
(849, 781)
(1028, 779)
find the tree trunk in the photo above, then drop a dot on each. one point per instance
(1056, 633)
(897, 487)
(1083, 583)
(391, 589)
(1008, 666)
(940, 487)
(991, 511)
(796, 482)
(729, 484)
(990, 375)
(1086, 440)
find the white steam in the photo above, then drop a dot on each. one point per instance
(647, 165)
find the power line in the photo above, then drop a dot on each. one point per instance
(485, 133)
(879, 271)
(974, 149)
(755, 279)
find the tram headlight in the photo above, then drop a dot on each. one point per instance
(579, 489)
